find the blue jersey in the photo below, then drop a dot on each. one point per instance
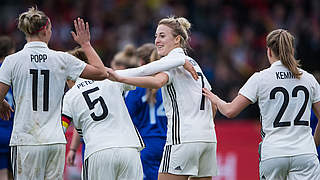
(151, 122)
(6, 126)
(149, 119)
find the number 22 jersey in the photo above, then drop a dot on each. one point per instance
(285, 106)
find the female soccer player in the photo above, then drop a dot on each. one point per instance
(190, 150)
(99, 114)
(37, 75)
(285, 94)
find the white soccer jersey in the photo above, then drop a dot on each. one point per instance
(285, 106)
(38, 75)
(189, 113)
(99, 113)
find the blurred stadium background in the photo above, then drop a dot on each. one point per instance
(228, 41)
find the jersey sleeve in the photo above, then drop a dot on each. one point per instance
(250, 88)
(66, 116)
(163, 64)
(316, 91)
(126, 87)
(169, 76)
(5, 72)
(74, 66)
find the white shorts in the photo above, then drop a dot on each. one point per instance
(197, 159)
(38, 162)
(113, 163)
(301, 167)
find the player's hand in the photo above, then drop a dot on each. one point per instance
(71, 157)
(5, 110)
(189, 67)
(82, 34)
(212, 97)
(113, 76)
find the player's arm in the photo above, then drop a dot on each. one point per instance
(154, 67)
(316, 110)
(214, 110)
(75, 143)
(231, 109)
(156, 81)
(95, 69)
(5, 108)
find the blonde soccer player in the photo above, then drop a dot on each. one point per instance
(37, 75)
(190, 150)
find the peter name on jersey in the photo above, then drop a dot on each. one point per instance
(84, 83)
(284, 75)
(38, 58)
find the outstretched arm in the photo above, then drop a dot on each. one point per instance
(154, 67)
(316, 110)
(156, 81)
(231, 109)
(95, 69)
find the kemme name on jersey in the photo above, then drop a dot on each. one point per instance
(284, 75)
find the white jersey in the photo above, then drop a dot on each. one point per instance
(37, 76)
(285, 106)
(189, 113)
(99, 114)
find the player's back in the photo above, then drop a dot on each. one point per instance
(38, 75)
(189, 113)
(285, 104)
(100, 115)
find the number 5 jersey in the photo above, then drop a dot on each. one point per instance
(100, 115)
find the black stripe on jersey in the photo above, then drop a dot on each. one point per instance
(175, 115)
(262, 134)
(85, 170)
(139, 136)
(14, 160)
(80, 132)
(166, 159)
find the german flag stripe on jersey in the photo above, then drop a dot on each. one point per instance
(175, 115)
(65, 120)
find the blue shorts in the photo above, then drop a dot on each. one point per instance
(5, 161)
(151, 156)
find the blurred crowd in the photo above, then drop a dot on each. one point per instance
(227, 36)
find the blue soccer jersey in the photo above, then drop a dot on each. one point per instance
(6, 129)
(149, 119)
(151, 122)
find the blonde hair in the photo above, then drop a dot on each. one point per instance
(281, 43)
(127, 57)
(79, 53)
(180, 27)
(32, 21)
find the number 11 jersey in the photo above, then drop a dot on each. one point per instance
(38, 75)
